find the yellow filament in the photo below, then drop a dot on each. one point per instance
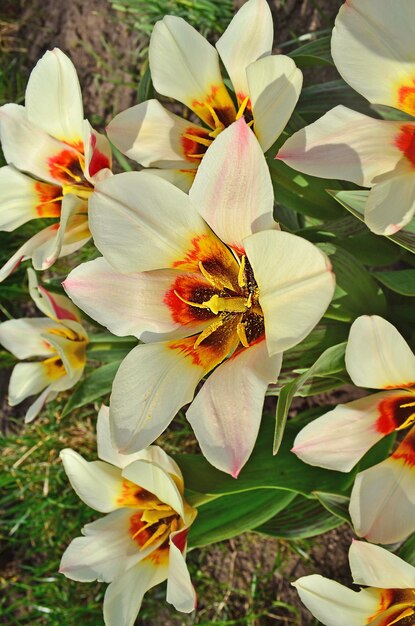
(198, 139)
(410, 420)
(80, 190)
(242, 108)
(406, 613)
(241, 273)
(240, 330)
(196, 155)
(208, 331)
(230, 305)
(404, 406)
(68, 171)
(217, 281)
(251, 123)
(51, 200)
(158, 533)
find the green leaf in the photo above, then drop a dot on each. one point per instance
(234, 514)
(400, 281)
(314, 53)
(94, 386)
(329, 363)
(392, 114)
(335, 504)
(316, 100)
(407, 550)
(356, 291)
(303, 518)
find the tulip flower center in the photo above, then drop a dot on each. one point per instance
(67, 168)
(398, 606)
(395, 413)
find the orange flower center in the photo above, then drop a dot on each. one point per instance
(397, 608)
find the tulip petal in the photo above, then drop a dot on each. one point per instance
(248, 37)
(346, 145)
(226, 413)
(127, 304)
(98, 484)
(335, 605)
(141, 222)
(23, 337)
(28, 379)
(373, 49)
(104, 553)
(53, 305)
(376, 567)
(382, 503)
(154, 479)
(33, 411)
(185, 66)
(232, 189)
(151, 135)
(180, 591)
(293, 295)
(182, 178)
(32, 150)
(391, 205)
(54, 100)
(386, 360)
(274, 87)
(338, 439)
(123, 597)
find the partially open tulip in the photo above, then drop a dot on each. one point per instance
(373, 47)
(54, 159)
(382, 503)
(57, 341)
(186, 67)
(387, 599)
(207, 281)
(142, 540)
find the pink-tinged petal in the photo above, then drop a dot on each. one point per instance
(153, 382)
(180, 591)
(123, 597)
(152, 136)
(335, 605)
(98, 155)
(141, 222)
(185, 66)
(32, 150)
(248, 37)
(338, 439)
(23, 199)
(226, 413)
(54, 100)
(182, 178)
(382, 503)
(105, 552)
(23, 337)
(98, 484)
(346, 145)
(373, 49)
(374, 566)
(54, 305)
(391, 204)
(293, 295)
(233, 189)
(155, 480)
(129, 304)
(274, 87)
(377, 356)
(28, 379)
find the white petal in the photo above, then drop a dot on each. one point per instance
(382, 503)
(33, 411)
(338, 439)
(98, 484)
(233, 189)
(27, 249)
(29, 148)
(151, 385)
(151, 135)
(26, 380)
(104, 553)
(185, 66)
(293, 295)
(391, 204)
(335, 605)
(376, 567)
(141, 222)
(154, 479)
(182, 178)
(377, 355)
(274, 87)
(127, 304)
(53, 98)
(180, 591)
(248, 37)
(122, 600)
(23, 338)
(346, 145)
(226, 413)
(373, 48)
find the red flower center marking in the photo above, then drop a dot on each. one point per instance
(405, 141)
(49, 199)
(395, 413)
(67, 168)
(406, 450)
(397, 608)
(406, 98)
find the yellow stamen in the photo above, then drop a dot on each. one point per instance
(51, 201)
(158, 533)
(69, 173)
(251, 123)
(198, 139)
(241, 273)
(220, 282)
(153, 516)
(240, 330)
(196, 155)
(80, 190)
(208, 331)
(409, 420)
(218, 123)
(242, 108)
(406, 613)
(404, 406)
(229, 305)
